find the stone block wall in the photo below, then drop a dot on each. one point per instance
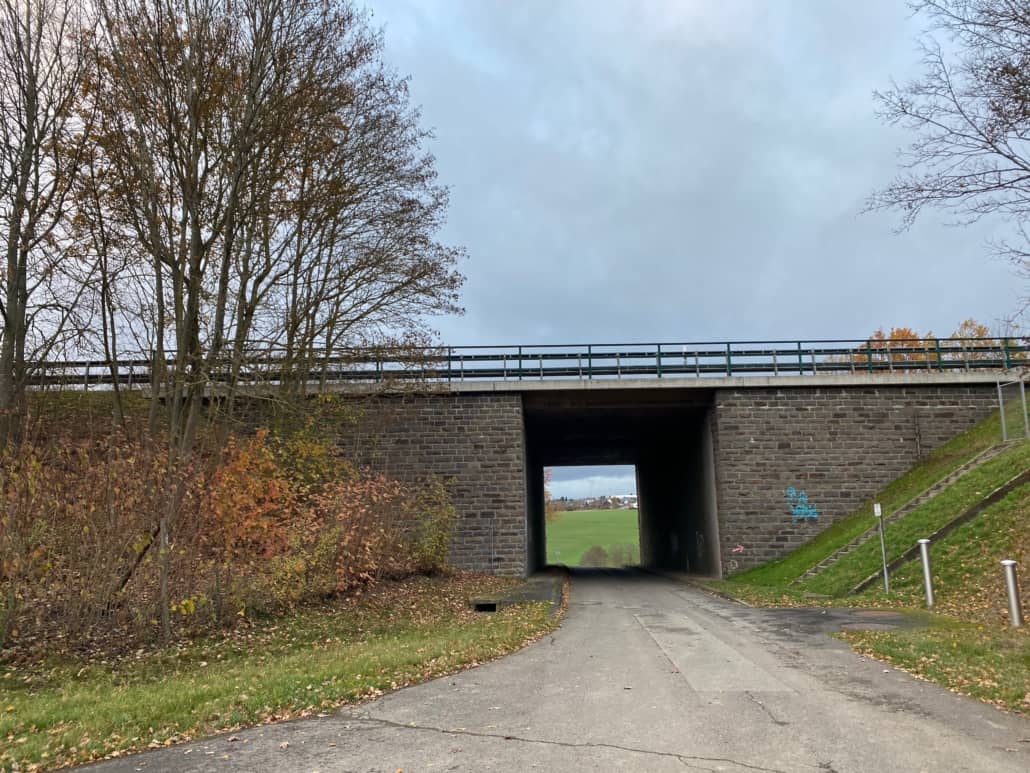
(475, 442)
(837, 445)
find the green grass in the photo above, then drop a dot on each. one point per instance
(576, 531)
(967, 644)
(938, 464)
(970, 648)
(851, 569)
(58, 712)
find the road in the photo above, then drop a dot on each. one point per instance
(645, 674)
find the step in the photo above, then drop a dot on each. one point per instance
(920, 499)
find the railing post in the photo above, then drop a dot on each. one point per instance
(1022, 401)
(658, 360)
(924, 554)
(1012, 587)
(801, 361)
(940, 364)
(1001, 413)
(869, 354)
(729, 360)
(520, 364)
(1005, 352)
(590, 361)
(450, 363)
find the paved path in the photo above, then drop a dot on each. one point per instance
(645, 675)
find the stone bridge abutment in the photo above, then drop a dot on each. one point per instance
(731, 472)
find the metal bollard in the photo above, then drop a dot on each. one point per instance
(924, 552)
(1015, 608)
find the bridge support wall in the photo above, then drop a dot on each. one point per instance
(836, 445)
(476, 444)
(765, 470)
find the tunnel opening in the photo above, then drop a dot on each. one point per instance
(590, 515)
(664, 435)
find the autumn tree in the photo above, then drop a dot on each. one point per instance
(899, 344)
(270, 174)
(43, 46)
(903, 344)
(970, 112)
(552, 512)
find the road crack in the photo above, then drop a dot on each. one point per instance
(768, 712)
(686, 759)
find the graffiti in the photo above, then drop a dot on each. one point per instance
(800, 508)
(733, 565)
(738, 549)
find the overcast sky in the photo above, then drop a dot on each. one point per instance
(677, 170)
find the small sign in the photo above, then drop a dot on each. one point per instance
(877, 511)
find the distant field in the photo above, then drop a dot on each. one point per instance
(575, 532)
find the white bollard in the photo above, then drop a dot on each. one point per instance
(924, 552)
(1015, 608)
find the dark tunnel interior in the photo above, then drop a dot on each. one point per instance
(666, 436)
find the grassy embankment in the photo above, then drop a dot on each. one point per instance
(576, 531)
(968, 645)
(55, 712)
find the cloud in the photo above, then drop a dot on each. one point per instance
(594, 486)
(680, 171)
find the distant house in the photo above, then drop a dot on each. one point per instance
(626, 500)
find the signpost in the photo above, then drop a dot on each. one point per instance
(878, 513)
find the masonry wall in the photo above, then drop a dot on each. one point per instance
(476, 443)
(837, 445)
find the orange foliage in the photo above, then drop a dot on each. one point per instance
(903, 344)
(249, 501)
(249, 531)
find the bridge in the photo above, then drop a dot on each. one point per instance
(742, 450)
(462, 364)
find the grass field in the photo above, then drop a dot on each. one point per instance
(575, 532)
(64, 710)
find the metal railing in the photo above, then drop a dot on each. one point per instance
(576, 362)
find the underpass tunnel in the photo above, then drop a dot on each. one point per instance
(667, 438)
(678, 526)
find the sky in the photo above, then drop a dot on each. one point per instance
(677, 170)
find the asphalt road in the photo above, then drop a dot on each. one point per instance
(645, 674)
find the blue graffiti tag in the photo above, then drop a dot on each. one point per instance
(800, 509)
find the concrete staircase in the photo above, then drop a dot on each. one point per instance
(904, 510)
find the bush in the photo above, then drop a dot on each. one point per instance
(624, 554)
(117, 540)
(594, 556)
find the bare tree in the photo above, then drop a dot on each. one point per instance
(43, 45)
(271, 172)
(970, 111)
(258, 180)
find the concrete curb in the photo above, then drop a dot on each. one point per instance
(540, 587)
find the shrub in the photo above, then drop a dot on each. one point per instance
(594, 556)
(432, 528)
(624, 554)
(120, 540)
